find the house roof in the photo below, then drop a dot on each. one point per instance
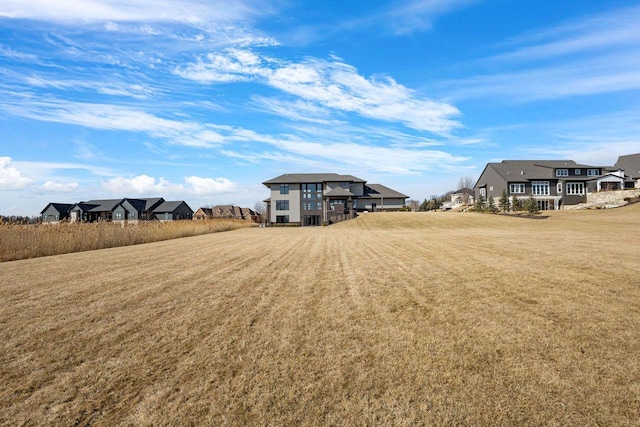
(83, 206)
(169, 206)
(374, 191)
(465, 191)
(302, 178)
(526, 170)
(339, 192)
(630, 164)
(107, 205)
(206, 211)
(60, 207)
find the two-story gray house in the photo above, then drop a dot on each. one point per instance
(322, 198)
(553, 183)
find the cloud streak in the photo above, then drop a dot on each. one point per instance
(594, 55)
(328, 83)
(83, 11)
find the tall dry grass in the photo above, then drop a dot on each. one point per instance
(19, 241)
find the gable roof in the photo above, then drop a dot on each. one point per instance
(83, 207)
(206, 211)
(630, 164)
(339, 192)
(60, 207)
(302, 178)
(374, 191)
(106, 205)
(465, 191)
(170, 206)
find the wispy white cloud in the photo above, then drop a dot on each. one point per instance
(10, 177)
(130, 11)
(405, 17)
(397, 160)
(401, 17)
(592, 55)
(608, 30)
(331, 84)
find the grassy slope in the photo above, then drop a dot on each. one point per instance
(415, 318)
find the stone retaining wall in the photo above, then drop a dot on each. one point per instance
(607, 199)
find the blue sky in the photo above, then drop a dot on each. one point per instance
(204, 100)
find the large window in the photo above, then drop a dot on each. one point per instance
(516, 188)
(540, 188)
(575, 188)
(312, 191)
(593, 172)
(311, 206)
(284, 188)
(562, 172)
(282, 219)
(282, 205)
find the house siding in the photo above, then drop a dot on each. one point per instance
(293, 197)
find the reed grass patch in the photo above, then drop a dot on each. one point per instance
(21, 241)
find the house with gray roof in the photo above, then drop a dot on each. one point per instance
(554, 184)
(172, 211)
(128, 209)
(323, 198)
(630, 164)
(54, 212)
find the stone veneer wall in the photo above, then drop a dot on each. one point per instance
(607, 199)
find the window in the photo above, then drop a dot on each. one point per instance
(578, 171)
(344, 184)
(118, 215)
(593, 172)
(282, 205)
(483, 192)
(575, 188)
(312, 206)
(540, 188)
(516, 188)
(284, 188)
(559, 188)
(562, 172)
(282, 219)
(312, 191)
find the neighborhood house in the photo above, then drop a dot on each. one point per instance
(226, 212)
(323, 198)
(127, 209)
(556, 184)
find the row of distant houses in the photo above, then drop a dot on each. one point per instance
(139, 209)
(556, 184)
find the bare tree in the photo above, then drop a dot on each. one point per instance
(414, 205)
(465, 183)
(260, 208)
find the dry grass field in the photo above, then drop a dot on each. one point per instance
(390, 319)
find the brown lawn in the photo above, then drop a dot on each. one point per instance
(390, 319)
